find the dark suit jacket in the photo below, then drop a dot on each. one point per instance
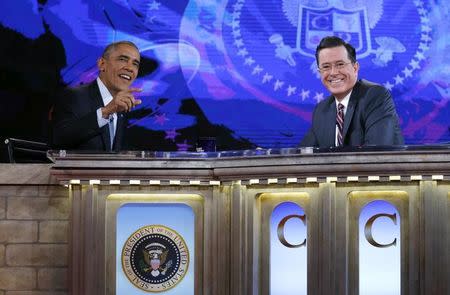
(370, 119)
(75, 125)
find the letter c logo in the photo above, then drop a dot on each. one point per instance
(280, 231)
(368, 230)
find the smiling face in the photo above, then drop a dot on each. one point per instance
(119, 68)
(338, 81)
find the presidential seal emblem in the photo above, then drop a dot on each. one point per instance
(155, 258)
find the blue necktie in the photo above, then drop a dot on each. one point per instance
(111, 130)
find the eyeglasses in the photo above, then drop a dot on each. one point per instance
(338, 66)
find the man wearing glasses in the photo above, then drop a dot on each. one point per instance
(356, 113)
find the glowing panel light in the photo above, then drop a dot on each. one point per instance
(288, 250)
(176, 218)
(379, 249)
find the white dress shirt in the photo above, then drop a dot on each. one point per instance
(344, 102)
(107, 98)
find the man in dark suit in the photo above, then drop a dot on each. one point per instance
(356, 113)
(92, 117)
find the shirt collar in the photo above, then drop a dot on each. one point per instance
(104, 92)
(344, 101)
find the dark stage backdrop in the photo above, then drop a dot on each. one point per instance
(240, 70)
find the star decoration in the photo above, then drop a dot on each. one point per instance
(425, 37)
(235, 24)
(414, 64)
(419, 55)
(237, 6)
(277, 85)
(161, 119)
(183, 147)
(424, 19)
(239, 42)
(291, 90)
(318, 97)
(398, 80)
(424, 46)
(171, 134)
(388, 85)
(426, 28)
(249, 61)
(407, 72)
(236, 33)
(304, 94)
(154, 5)
(236, 14)
(257, 70)
(266, 78)
(243, 52)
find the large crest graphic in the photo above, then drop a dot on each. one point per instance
(350, 25)
(155, 258)
(262, 53)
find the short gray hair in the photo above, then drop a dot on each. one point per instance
(111, 47)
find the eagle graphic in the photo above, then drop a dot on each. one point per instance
(155, 261)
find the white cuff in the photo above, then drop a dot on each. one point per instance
(101, 121)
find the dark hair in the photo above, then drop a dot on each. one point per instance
(333, 41)
(111, 47)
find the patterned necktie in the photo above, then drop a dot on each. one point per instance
(111, 130)
(340, 124)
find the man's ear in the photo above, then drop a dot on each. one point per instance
(356, 67)
(101, 64)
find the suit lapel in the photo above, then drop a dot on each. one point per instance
(329, 132)
(350, 108)
(119, 132)
(97, 102)
(348, 115)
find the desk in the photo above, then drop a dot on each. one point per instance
(233, 197)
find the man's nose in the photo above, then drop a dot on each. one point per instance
(129, 67)
(334, 69)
